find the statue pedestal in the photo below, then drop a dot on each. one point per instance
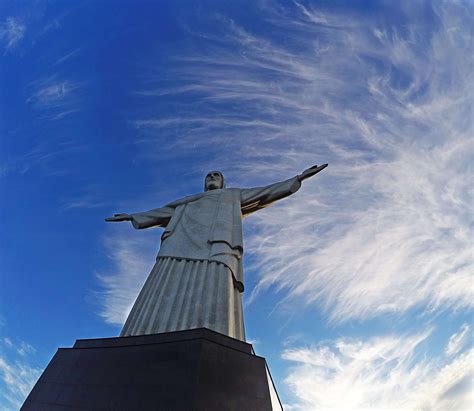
(183, 370)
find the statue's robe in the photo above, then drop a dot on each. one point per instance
(198, 278)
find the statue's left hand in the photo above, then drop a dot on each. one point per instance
(309, 172)
(119, 217)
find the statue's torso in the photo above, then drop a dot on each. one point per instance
(208, 227)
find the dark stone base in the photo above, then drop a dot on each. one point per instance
(184, 370)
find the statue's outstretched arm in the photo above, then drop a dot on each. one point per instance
(158, 217)
(253, 199)
(119, 217)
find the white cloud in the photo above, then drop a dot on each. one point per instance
(387, 227)
(82, 202)
(377, 374)
(458, 340)
(50, 155)
(25, 349)
(11, 32)
(131, 256)
(67, 56)
(8, 342)
(89, 196)
(52, 93)
(56, 96)
(17, 377)
(21, 347)
(55, 93)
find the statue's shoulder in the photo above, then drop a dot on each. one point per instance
(224, 192)
(231, 195)
(185, 200)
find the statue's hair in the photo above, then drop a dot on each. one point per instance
(222, 178)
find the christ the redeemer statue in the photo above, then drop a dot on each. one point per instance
(198, 279)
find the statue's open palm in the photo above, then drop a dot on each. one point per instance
(310, 172)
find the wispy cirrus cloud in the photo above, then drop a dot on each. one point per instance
(387, 227)
(68, 56)
(50, 155)
(17, 376)
(12, 31)
(86, 197)
(459, 340)
(22, 348)
(131, 257)
(52, 99)
(82, 202)
(385, 372)
(56, 97)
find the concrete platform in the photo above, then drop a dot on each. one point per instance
(184, 370)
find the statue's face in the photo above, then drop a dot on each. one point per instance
(213, 181)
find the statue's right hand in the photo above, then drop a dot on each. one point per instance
(119, 217)
(309, 172)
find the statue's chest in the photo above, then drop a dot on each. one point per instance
(201, 213)
(201, 220)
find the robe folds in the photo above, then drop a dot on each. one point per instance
(198, 277)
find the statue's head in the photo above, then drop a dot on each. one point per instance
(214, 180)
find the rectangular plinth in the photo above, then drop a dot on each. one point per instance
(185, 370)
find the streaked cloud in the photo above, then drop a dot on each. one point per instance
(12, 31)
(85, 198)
(22, 348)
(131, 257)
(25, 349)
(52, 93)
(51, 99)
(55, 93)
(56, 97)
(46, 155)
(67, 56)
(387, 227)
(7, 342)
(458, 340)
(17, 376)
(388, 372)
(82, 202)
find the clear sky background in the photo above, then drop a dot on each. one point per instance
(359, 287)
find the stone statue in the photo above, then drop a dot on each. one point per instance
(198, 279)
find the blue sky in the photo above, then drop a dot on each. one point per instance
(358, 288)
